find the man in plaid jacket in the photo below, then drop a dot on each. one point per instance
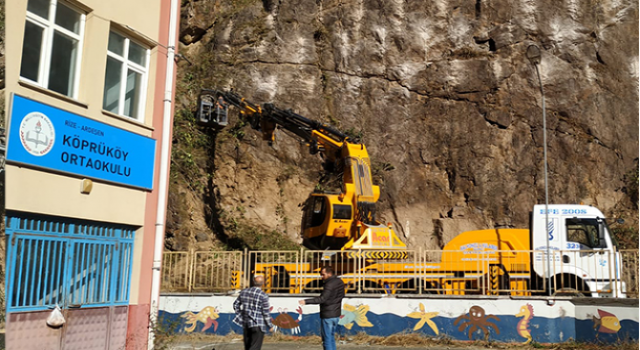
(252, 314)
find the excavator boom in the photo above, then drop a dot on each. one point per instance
(345, 220)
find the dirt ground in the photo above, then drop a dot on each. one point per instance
(295, 346)
(396, 342)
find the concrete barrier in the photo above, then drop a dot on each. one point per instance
(504, 319)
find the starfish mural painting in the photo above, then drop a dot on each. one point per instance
(425, 318)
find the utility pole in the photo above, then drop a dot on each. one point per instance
(533, 54)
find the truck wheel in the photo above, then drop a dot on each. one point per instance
(281, 281)
(408, 287)
(570, 286)
(368, 287)
(314, 286)
(568, 292)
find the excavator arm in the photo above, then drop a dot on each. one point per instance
(331, 221)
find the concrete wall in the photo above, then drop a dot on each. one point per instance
(505, 320)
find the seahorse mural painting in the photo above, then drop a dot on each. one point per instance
(425, 317)
(526, 312)
(208, 316)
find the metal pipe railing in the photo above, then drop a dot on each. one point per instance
(422, 272)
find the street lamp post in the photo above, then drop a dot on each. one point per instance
(533, 54)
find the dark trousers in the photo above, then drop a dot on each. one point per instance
(253, 338)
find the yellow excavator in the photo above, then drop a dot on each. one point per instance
(344, 220)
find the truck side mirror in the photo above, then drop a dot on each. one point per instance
(601, 233)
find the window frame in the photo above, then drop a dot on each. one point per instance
(50, 27)
(587, 225)
(342, 212)
(315, 212)
(126, 66)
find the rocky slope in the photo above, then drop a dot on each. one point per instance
(442, 94)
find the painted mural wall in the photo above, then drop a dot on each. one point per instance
(505, 320)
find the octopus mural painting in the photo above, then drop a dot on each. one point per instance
(476, 319)
(208, 316)
(352, 314)
(285, 321)
(424, 317)
(526, 312)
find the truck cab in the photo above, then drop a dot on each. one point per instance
(576, 254)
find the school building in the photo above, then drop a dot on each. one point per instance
(88, 91)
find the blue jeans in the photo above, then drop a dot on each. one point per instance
(328, 329)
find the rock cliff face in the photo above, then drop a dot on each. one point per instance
(441, 93)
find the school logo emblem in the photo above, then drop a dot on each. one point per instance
(37, 134)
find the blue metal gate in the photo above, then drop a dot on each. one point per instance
(67, 262)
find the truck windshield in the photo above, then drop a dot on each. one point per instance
(585, 232)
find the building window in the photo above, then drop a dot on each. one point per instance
(52, 47)
(125, 82)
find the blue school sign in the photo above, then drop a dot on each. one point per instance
(50, 138)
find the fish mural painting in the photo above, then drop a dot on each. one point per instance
(285, 321)
(352, 314)
(526, 312)
(607, 322)
(208, 316)
(425, 318)
(477, 319)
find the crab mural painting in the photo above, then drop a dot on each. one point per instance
(208, 316)
(476, 319)
(285, 321)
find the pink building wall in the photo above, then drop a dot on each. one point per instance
(138, 325)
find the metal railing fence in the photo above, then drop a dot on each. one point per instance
(629, 276)
(176, 271)
(469, 272)
(203, 271)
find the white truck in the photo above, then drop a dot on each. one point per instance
(583, 258)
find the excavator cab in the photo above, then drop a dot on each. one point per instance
(326, 221)
(330, 222)
(212, 111)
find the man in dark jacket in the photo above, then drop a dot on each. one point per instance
(330, 301)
